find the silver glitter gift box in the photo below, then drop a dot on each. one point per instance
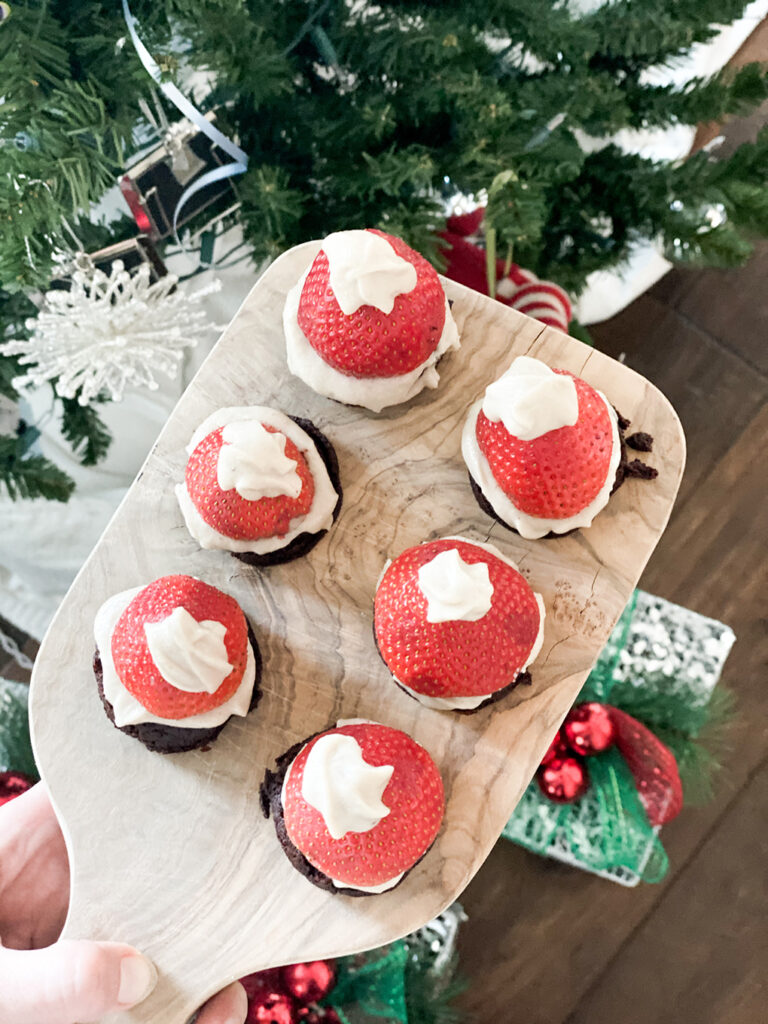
(654, 644)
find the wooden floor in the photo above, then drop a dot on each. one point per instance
(546, 944)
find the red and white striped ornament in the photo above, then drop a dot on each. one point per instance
(542, 300)
(518, 288)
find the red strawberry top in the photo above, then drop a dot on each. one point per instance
(558, 474)
(369, 342)
(454, 658)
(226, 511)
(134, 663)
(413, 795)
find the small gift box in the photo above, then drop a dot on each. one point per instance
(153, 186)
(654, 684)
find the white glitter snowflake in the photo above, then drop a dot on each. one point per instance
(110, 331)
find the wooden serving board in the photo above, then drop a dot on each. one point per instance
(171, 853)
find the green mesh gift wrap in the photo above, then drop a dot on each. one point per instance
(411, 981)
(15, 746)
(660, 665)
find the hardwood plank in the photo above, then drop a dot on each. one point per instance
(737, 320)
(706, 945)
(715, 394)
(712, 554)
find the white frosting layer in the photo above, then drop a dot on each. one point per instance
(190, 655)
(343, 787)
(128, 710)
(320, 515)
(374, 393)
(252, 460)
(470, 703)
(454, 589)
(533, 527)
(365, 270)
(530, 399)
(390, 883)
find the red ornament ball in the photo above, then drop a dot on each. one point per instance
(589, 728)
(318, 1015)
(563, 779)
(258, 984)
(309, 982)
(272, 1008)
(13, 784)
(557, 748)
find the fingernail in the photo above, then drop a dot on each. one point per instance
(137, 979)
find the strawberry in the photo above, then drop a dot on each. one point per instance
(234, 516)
(558, 474)
(454, 658)
(369, 343)
(133, 662)
(414, 795)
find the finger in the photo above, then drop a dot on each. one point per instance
(230, 1006)
(34, 872)
(72, 981)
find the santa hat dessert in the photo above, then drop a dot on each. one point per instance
(368, 322)
(355, 807)
(456, 623)
(545, 450)
(260, 484)
(174, 661)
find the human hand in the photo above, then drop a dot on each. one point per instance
(43, 981)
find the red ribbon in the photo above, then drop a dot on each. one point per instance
(651, 762)
(653, 767)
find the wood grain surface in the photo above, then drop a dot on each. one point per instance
(171, 853)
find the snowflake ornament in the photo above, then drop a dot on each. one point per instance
(110, 331)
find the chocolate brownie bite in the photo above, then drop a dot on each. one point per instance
(545, 450)
(260, 484)
(355, 807)
(174, 661)
(368, 322)
(457, 624)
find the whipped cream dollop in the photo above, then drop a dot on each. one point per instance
(530, 399)
(365, 270)
(126, 708)
(252, 460)
(343, 787)
(384, 886)
(374, 393)
(455, 589)
(533, 527)
(456, 703)
(188, 654)
(320, 515)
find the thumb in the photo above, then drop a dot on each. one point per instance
(71, 981)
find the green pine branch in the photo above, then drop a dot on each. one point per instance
(698, 734)
(373, 114)
(31, 476)
(85, 431)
